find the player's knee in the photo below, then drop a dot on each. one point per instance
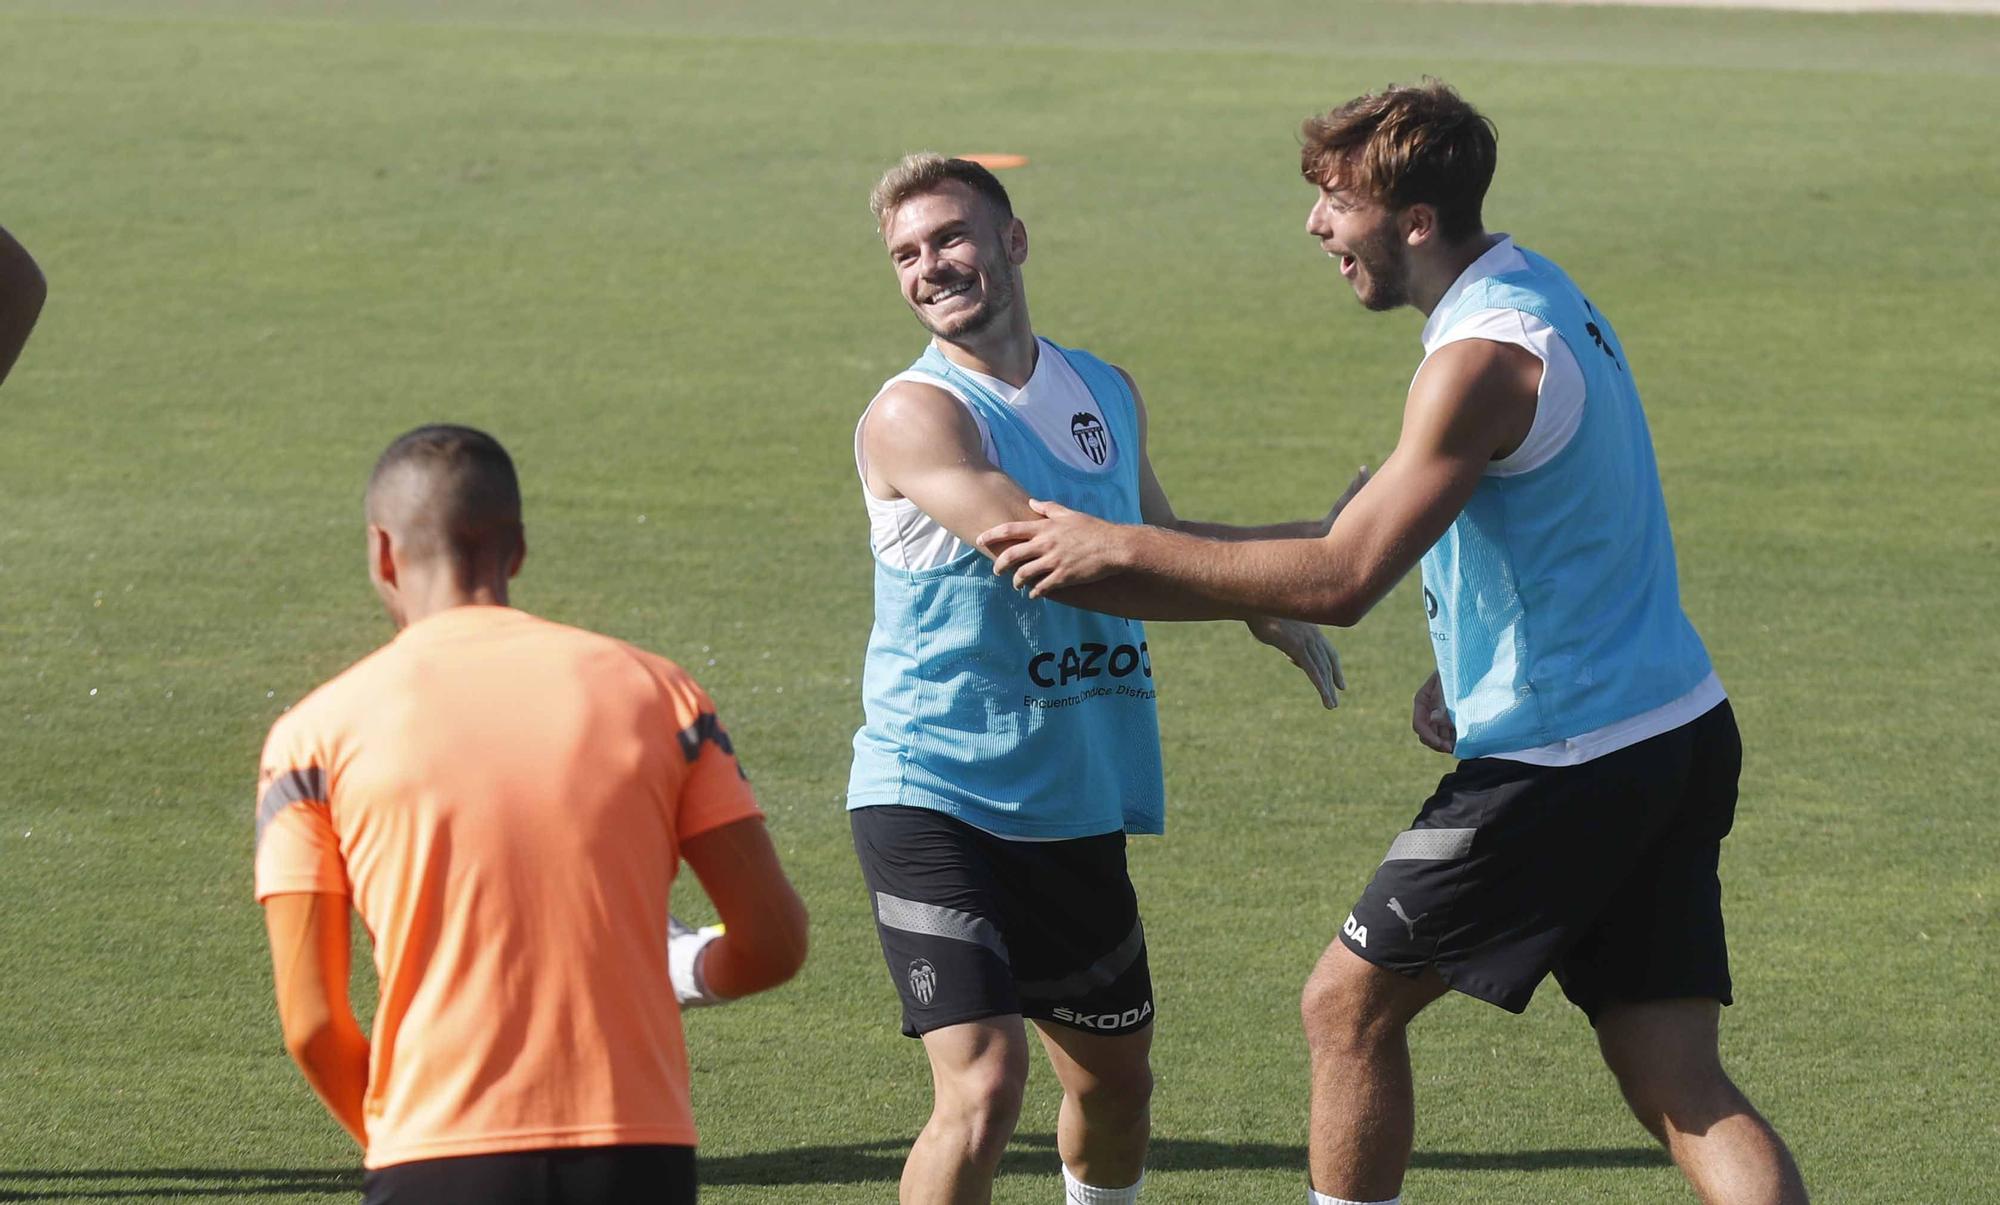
(1682, 1098)
(988, 1122)
(982, 1104)
(1335, 1008)
(1320, 1006)
(1116, 1096)
(1701, 1103)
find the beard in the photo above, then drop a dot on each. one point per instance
(996, 298)
(1382, 281)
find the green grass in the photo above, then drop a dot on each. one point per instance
(631, 240)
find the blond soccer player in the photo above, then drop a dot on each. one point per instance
(1010, 745)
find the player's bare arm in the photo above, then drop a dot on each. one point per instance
(309, 965)
(22, 291)
(1472, 402)
(763, 941)
(1302, 643)
(919, 443)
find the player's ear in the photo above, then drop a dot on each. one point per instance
(1419, 224)
(520, 552)
(1017, 242)
(381, 557)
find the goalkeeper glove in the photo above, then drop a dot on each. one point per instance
(685, 947)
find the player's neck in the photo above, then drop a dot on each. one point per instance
(1430, 282)
(420, 596)
(1007, 350)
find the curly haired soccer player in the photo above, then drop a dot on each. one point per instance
(1581, 830)
(1009, 744)
(504, 801)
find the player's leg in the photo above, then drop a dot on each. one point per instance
(1664, 1055)
(1080, 965)
(936, 902)
(1653, 974)
(978, 1072)
(1106, 1117)
(1383, 969)
(1363, 1108)
(1505, 866)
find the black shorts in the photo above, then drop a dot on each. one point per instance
(1604, 873)
(587, 1175)
(976, 926)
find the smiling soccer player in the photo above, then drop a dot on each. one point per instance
(1581, 831)
(1009, 744)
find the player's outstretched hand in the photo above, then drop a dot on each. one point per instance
(1430, 719)
(1306, 645)
(1062, 548)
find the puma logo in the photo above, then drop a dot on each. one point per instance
(1597, 337)
(1409, 922)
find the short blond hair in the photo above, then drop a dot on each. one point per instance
(927, 172)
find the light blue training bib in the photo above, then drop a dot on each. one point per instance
(1026, 718)
(1554, 601)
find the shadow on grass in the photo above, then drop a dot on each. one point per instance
(174, 1183)
(1031, 1154)
(1541, 1161)
(856, 1163)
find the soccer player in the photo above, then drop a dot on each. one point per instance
(22, 291)
(1009, 744)
(505, 802)
(1581, 829)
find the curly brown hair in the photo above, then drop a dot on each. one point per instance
(1406, 145)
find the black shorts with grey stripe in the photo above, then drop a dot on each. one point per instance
(976, 926)
(1604, 873)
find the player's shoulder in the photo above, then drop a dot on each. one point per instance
(616, 653)
(623, 670)
(1475, 388)
(916, 416)
(1464, 369)
(921, 381)
(1499, 323)
(914, 394)
(332, 707)
(662, 673)
(1091, 367)
(659, 665)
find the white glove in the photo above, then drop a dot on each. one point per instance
(684, 950)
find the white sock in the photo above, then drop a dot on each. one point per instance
(1320, 1198)
(1076, 1192)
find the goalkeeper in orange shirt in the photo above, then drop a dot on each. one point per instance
(505, 802)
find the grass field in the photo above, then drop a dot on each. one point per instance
(631, 239)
